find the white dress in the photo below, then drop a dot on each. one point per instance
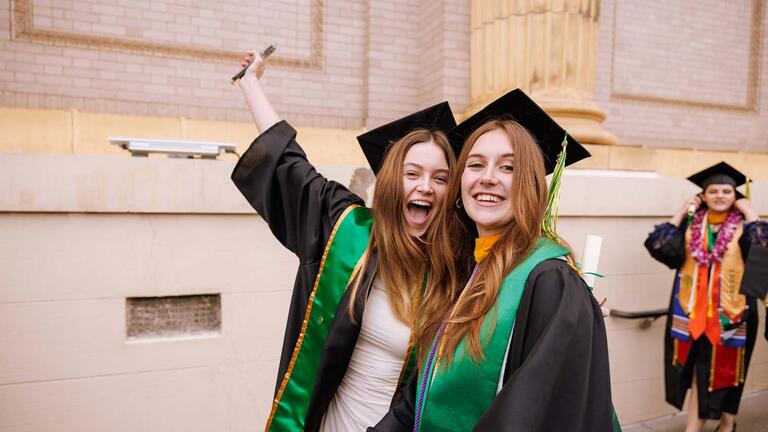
(366, 391)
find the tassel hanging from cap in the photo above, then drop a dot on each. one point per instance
(549, 224)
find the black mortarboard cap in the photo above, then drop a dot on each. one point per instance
(376, 142)
(516, 105)
(720, 173)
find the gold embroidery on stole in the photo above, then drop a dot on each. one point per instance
(731, 272)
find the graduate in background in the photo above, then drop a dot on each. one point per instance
(711, 327)
(523, 346)
(360, 270)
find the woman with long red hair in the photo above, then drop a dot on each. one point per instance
(361, 270)
(522, 347)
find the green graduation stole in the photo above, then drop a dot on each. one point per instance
(445, 405)
(345, 247)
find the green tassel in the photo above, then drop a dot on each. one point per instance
(549, 224)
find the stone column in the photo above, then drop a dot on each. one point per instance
(548, 48)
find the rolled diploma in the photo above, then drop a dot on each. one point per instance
(590, 257)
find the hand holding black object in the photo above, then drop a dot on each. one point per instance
(249, 61)
(264, 115)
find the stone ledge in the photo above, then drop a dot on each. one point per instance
(116, 184)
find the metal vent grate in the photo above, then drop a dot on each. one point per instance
(174, 316)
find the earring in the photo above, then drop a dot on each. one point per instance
(458, 203)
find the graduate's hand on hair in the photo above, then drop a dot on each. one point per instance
(694, 201)
(745, 207)
(256, 69)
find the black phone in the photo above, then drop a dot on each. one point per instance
(264, 54)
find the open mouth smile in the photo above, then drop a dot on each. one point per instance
(418, 211)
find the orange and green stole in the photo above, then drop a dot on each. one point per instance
(345, 247)
(706, 301)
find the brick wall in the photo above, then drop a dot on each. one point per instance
(392, 59)
(444, 73)
(340, 63)
(668, 74)
(679, 74)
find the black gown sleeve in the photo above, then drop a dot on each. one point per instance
(301, 208)
(300, 205)
(754, 249)
(666, 244)
(755, 234)
(557, 375)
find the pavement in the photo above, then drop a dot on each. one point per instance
(752, 417)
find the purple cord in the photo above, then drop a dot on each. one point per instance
(431, 358)
(425, 377)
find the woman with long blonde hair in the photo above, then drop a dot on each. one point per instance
(361, 270)
(523, 345)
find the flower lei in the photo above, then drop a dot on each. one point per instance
(697, 249)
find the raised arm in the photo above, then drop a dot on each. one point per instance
(666, 243)
(755, 230)
(264, 115)
(689, 206)
(300, 205)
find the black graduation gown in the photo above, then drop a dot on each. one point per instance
(755, 281)
(301, 208)
(666, 244)
(557, 376)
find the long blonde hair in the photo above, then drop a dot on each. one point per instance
(402, 259)
(529, 198)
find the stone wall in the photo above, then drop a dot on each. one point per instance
(668, 74)
(340, 63)
(675, 74)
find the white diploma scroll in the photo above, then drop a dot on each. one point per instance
(590, 258)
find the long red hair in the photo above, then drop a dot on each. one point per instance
(529, 196)
(402, 258)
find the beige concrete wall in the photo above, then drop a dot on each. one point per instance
(78, 234)
(68, 366)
